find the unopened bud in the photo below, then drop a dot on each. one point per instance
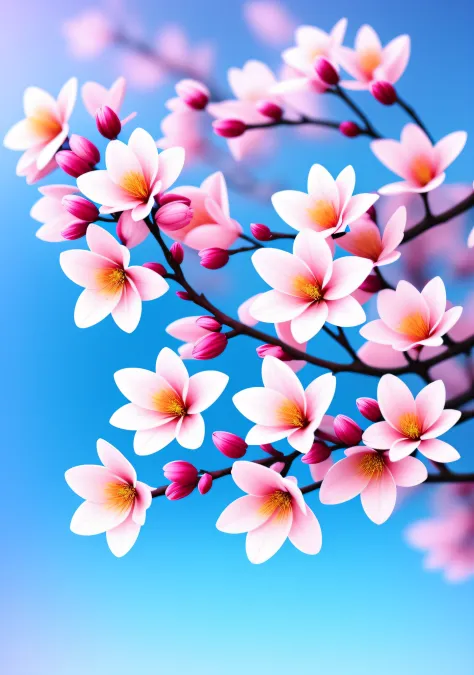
(84, 149)
(81, 208)
(181, 472)
(205, 483)
(372, 284)
(271, 350)
(195, 94)
(270, 450)
(350, 129)
(278, 466)
(209, 323)
(270, 109)
(369, 408)
(229, 444)
(108, 122)
(156, 267)
(213, 258)
(173, 197)
(326, 71)
(383, 92)
(260, 231)
(176, 491)
(71, 163)
(183, 295)
(229, 128)
(319, 453)
(209, 346)
(75, 230)
(177, 251)
(174, 216)
(347, 431)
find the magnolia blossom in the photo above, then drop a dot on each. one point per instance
(270, 21)
(44, 129)
(365, 240)
(369, 61)
(135, 175)
(328, 207)
(373, 476)
(50, 211)
(409, 318)
(88, 34)
(94, 96)
(309, 287)
(111, 286)
(273, 509)
(282, 408)
(189, 332)
(211, 224)
(415, 159)
(116, 502)
(412, 424)
(167, 404)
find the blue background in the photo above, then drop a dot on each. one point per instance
(186, 599)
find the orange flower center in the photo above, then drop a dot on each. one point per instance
(323, 213)
(372, 465)
(44, 123)
(277, 501)
(415, 327)
(410, 426)
(111, 280)
(309, 289)
(135, 184)
(422, 170)
(168, 402)
(369, 60)
(120, 496)
(290, 415)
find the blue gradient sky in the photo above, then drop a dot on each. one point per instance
(186, 600)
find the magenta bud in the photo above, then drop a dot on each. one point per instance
(326, 71)
(209, 346)
(177, 251)
(173, 197)
(229, 128)
(81, 208)
(260, 231)
(369, 408)
(174, 216)
(278, 466)
(183, 295)
(181, 472)
(229, 444)
(75, 230)
(270, 109)
(372, 284)
(271, 350)
(209, 323)
(372, 213)
(84, 149)
(205, 483)
(177, 491)
(213, 258)
(71, 163)
(156, 267)
(195, 94)
(350, 129)
(347, 431)
(108, 122)
(270, 450)
(383, 92)
(318, 453)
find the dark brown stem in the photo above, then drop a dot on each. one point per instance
(414, 115)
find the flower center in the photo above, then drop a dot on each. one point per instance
(277, 501)
(323, 213)
(111, 280)
(290, 415)
(44, 123)
(422, 170)
(368, 244)
(372, 464)
(369, 60)
(168, 402)
(415, 327)
(308, 288)
(410, 426)
(135, 184)
(120, 496)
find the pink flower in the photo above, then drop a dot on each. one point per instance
(45, 127)
(374, 477)
(111, 286)
(409, 318)
(167, 404)
(116, 502)
(188, 331)
(88, 34)
(270, 21)
(412, 424)
(365, 240)
(95, 96)
(211, 224)
(135, 175)
(50, 211)
(309, 287)
(370, 61)
(273, 510)
(282, 408)
(415, 159)
(184, 127)
(328, 207)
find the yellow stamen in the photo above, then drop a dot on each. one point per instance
(323, 213)
(369, 60)
(135, 184)
(410, 426)
(168, 402)
(290, 415)
(422, 170)
(44, 123)
(120, 496)
(309, 289)
(415, 327)
(111, 280)
(372, 465)
(278, 501)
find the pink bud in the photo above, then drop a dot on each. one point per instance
(369, 408)
(260, 231)
(181, 472)
(71, 164)
(75, 230)
(213, 258)
(326, 71)
(108, 122)
(271, 350)
(84, 149)
(229, 128)
(177, 251)
(372, 284)
(209, 323)
(229, 444)
(347, 431)
(372, 213)
(156, 267)
(205, 483)
(195, 94)
(209, 346)
(278, 466)
(173, 197)
(80, 208)
(350, 129)
(176, 491)
(183, 295)
(318, 453)
(270, 109)
(174, 216)
(383, 92)
(270, 450)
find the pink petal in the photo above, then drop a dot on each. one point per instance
(294, 208)
(140, 386)
(104, 244)
(131, 232)
(379, 497)
(302, 439)
(276, 307)
(255, 479)
(263, 542)
(186, 329)
(143, 501)
(67, 99)
(260, 434)
(243, 515)
(345, 312)
(344, 480)
(443, 423)
(448, 148)
(434, 294)
(395, 399)
(381, 435)
(98, 186)
(378, 331)
(204, 389)
(21, 136)
(322, 186)
(260, 405)
(116, 462)
(395, 59)
(211, 235)
(402, 448)
(416, 141)
(407, 472)
(120, 160)
(170, 165)
(121, 538)
(190, 433)
(394, 306)
(244, 311)
(47, 153)
(430, 404)
(149, 441)
(94, 306)
(357, 206)
(319, 395)
(345, 184)
(315, 252)
(280, 269)
(90, 482)
(450, 318)
(305, 532)
(91, 518)
(171, 367)
(319, 471)
(392, 155)
(438, 451)
(132, 417)
(216, 188)
(128, 310)
(278, 375)
(347, 275)
(144, 147)
(82, 267)
(394, 230)
(148, 283)
(380, 355)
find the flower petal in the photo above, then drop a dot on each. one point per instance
(243, 515)
(379, 497)
(344, 480)
(305, 532)
(263, 542)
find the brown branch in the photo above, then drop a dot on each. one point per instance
(430, 221)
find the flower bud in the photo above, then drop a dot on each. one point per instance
(156, 267)
(372, 213)
(278, 466)
(181, 472)
(173, 197)
(319, 453)
(270, 109)
(229, 444)
(209, 323)
(209, 346)
(108, 122)
(372, 284)
(271, 350)
(195, 94)
(205, 483)
(174, 216)
(81, 208)
(84, 149)
(229, 128)
(260, 231)
(177, 251)
(71, 163)
(350, 129)
(213, 258)
(75, 230)
(183, 295)
(177, 491)
(326, 71)
(270, 450)
(369, 408)
(383, 92)
(347, 431)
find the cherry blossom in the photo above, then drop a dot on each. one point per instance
(50, 211)
(365, 240)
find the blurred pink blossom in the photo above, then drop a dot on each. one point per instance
(270, 21)
(88, 33)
